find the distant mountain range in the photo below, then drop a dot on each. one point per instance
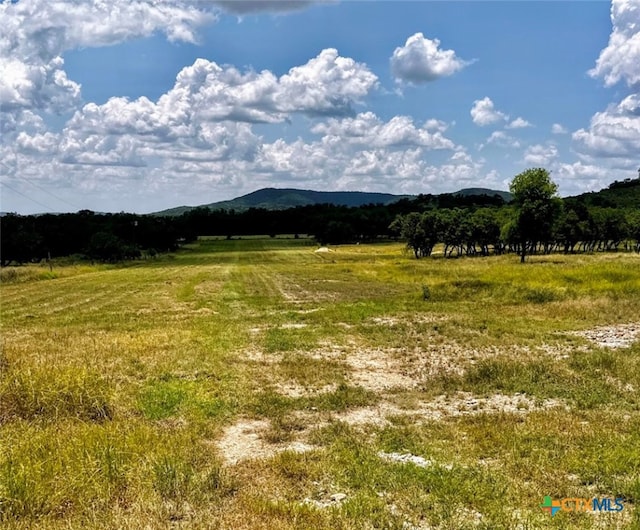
(281, 199)
(469, 192)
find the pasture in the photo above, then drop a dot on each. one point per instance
(255, 383)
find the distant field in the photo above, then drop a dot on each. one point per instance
(255, 383)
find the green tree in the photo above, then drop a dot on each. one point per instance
(412, 231)
(534, 196)
(485, 229)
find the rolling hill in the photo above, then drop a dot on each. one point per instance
(281, 199)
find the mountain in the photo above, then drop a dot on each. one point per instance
(281, 199)
(468, 192)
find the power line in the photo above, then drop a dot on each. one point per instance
(50, 193)
(27, 197)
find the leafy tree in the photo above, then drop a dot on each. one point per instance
(411, 230)
(105, 246)
(534, 196)
(485, 229)
(633, 222)
(568, 229)
(455, 230)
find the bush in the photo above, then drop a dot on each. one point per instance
(426, 292)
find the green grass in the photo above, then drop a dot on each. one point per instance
(119, 386)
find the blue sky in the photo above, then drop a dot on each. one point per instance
(141, 106)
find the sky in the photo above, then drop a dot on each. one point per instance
(138, 106)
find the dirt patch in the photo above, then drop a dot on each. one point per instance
(294, 390)
(617, 336)
(408, 458)
(308, 311)
(620, 385)
(326, 500)
(409, 319)
(244, 440)
(257, 355)
(462, 404)
(293, 325)
(383, 369)
(377, 370)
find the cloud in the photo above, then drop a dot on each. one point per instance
(362, 149)
(44, 29)
(612, 140)
(36, 33)
(366, 129)
(502, 139)
(519, 123)
(540, 155)
(45, 144)
(484, 113)
(245, 7)
(582, 171)
(207, 93)
(578, 177)
(558, 128)
(343, 159)
(613, 133)
(36, 86)
(421, 60)
(620, 60)
(98, 150)
(327, 84)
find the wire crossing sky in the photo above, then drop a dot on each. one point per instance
(139, 106)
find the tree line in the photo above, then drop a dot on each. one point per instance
(535, 221)
(99, 237)
(125, 236)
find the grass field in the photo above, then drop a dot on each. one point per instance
(251, 384)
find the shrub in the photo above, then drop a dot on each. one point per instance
(426, 292)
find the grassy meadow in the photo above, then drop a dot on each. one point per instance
(257, 384)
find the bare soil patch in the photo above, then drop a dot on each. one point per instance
(412, 320)
(244, 440)
(295, 390)
(442, 407)
(616, 336)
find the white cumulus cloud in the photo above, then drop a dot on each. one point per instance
(502, 139)
(540, 155)
(613, 133)
(36, 33)
(484, 113)
(421, 60)
(368, 130)
(40, 86)
(519, 123)
(558, 128)
(206, 93)
(620, 60)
